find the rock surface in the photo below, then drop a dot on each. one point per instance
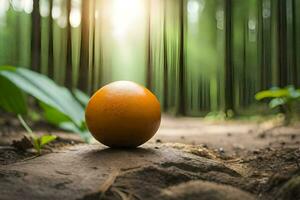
(187, 159)
(203, 190)
(80, 171)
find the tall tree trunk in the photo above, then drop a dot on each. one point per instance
(50, 59)
(182, 59)
(228, 57)
(296, 16)
(84, 48)
(266, 46)
(165, 104)
(294, 47)
(69, 68)
(91, 65)
(149, 48)
(282, 43)
(36, 36)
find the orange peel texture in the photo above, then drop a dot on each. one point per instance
(123, 114)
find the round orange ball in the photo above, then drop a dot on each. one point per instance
(123, 114)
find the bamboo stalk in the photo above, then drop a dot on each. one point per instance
(181, 108)
(282, 43)
(50, 39)
(84, 47)
(36, 37)
(69, 68)
(149, 47)
(166, 92)
(228, 57)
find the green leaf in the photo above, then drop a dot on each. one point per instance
(36, 143)
(12, 99)
(59, 119)
(45, 139)
(293, 93)
(273, 93)
(8, 68)
(298, 94)
(58, 103)
(81, 97)
(45, 90)
(277, 102)
(83, 132)
(53, 115)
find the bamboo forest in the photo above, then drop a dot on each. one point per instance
(150, 99)
(197, 56)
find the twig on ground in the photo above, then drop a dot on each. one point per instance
(7, 148)
(30, 158)
(108, 183)
(122, 194)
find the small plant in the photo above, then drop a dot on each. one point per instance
(282, 98)
(38, 142)
(60, 106)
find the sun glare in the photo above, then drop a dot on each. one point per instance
(4, 6)
(125, 14)
(56, 10)
(194, 8)
(44, 8)
(75, 15)
(22, 5)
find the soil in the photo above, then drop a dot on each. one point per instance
(189, 158)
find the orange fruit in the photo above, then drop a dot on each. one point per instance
(123, 114)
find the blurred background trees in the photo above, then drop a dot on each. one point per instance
(197, 56)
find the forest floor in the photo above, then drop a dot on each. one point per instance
(188, 158)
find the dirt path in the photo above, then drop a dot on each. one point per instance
(231, 136)
(218, 161)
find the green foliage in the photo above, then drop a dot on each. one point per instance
(274, 92)
(52, 115)
(45, 90)
(58, 103)
(38, 142)
(216, 116)
(284, 98)
(220, 115)
(82, 130)
(11, 98)
(81, 97)
(279, 96)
